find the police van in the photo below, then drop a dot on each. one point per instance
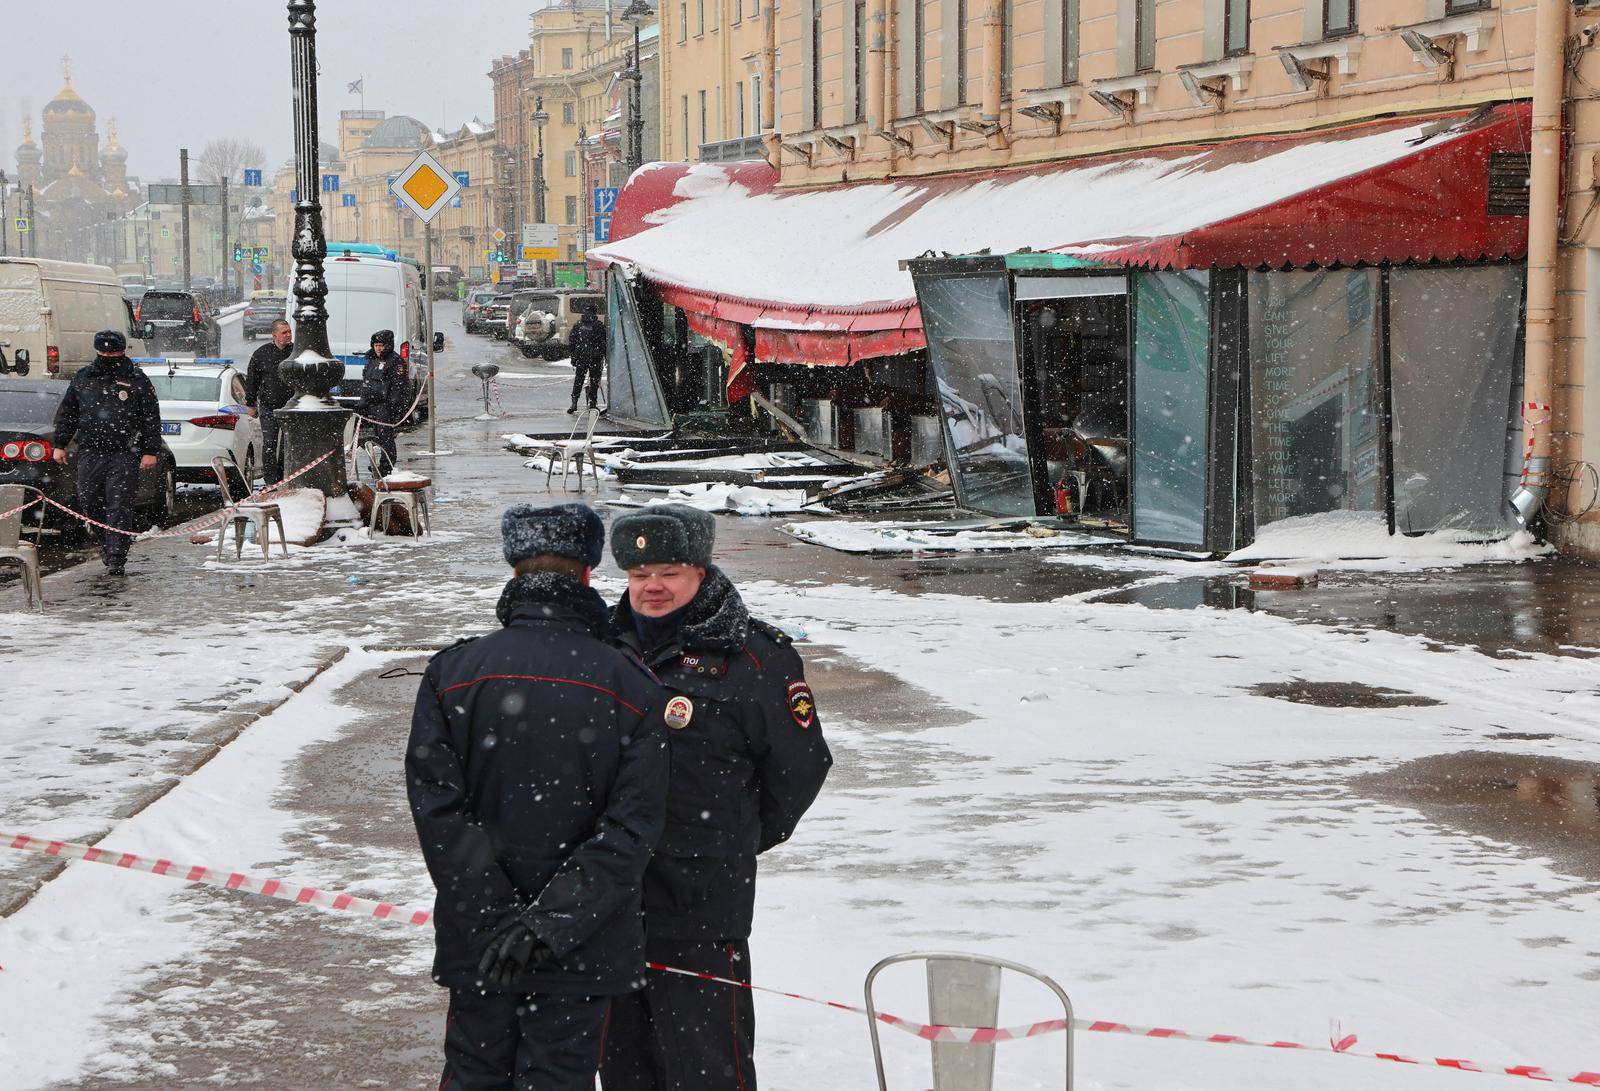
(50, 312)
(368, 291)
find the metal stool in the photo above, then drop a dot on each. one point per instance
(260, 516)
(13, 548)
(963, 991)
(411, 496)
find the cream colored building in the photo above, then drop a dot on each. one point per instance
(711, 76)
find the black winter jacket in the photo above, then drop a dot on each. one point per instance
(745, 767)
(264, 388)
(537, 772)
(586, 343)
(110, 406)
(385, 389)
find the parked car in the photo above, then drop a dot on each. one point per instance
(548, 317)
(203, 415)
(51, 310)
(27, 431)
(178, 322)
(493, 315)
(472, 307)
(261, 312)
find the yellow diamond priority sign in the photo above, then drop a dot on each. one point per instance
(425, 187)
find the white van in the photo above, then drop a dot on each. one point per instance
(367, 294)
(51, 310)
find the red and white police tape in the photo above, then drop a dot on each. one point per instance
(18, 508)
(305, 895)
(1532, 430)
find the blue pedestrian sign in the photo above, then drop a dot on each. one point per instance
(602, 228)
(347, 200)
(252, 177)
(463, 177)
(605, 200)
(330, 183)
(23, 226)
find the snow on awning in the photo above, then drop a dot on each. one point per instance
(816, 271)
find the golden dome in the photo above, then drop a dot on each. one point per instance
(68, 103)
(113, 148)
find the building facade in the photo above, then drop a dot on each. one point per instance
(712, 73)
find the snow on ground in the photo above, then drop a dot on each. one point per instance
(713, 496)
(1361, 540)
(902, 537)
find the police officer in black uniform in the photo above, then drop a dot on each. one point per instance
(385, 391)
(111, 409)
(748, 758)
(537, 771)
(265, 393)
(586, 348)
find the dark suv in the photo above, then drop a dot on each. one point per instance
(263, 310)
(178, 322)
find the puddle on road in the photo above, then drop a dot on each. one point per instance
(1549, 805)
(1340, 694)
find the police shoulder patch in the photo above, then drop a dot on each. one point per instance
(802, 706)
(770, 631)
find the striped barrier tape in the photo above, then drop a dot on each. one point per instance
(421, 390)
(1339, 1044)
(17, 509)
(1532, 429)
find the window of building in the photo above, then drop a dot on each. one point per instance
(1457, 7)
(572, 209)
(685, 129)
(919, 54)
(719, 119)
(738, 12)
(1005, 48)
(738, 94)
(860, 30)
(1235, 27)
(815, 118)
(716, 14)
(1069, 41)
(700, 23)
(570, 163)
(569, 113)
(961, 52)
(1144, 34)
(566, 58)
(683, 22)
(755, 8)
(1338, 18)
(408, 226)
(703, 128)
(755, 102)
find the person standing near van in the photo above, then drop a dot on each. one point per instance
(385, 391)
(111, 409)
(265, 393)
(586, 346)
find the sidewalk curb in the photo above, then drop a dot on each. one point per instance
(221, 731)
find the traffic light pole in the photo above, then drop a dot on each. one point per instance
(183, 178)
(225, 294)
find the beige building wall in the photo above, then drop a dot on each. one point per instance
(710, 73)
(1030, 101)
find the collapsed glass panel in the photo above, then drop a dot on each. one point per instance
(972, 351)
(1452, 350)
(632, 391)
(1171, 342)
(1315, 394)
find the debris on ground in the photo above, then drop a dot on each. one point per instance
(958, 536)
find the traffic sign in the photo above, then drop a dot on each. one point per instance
(252, 177)
(425, 187)
(348, 200)
(541, 242)
(23, 226)
(464, 177)
(257, 268)
(602, 229)
(605, 200)
(499, 235)
(330, 183)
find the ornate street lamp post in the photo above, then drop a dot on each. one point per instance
(5, 222)
(637, 15)
(313, 425)
(540, 118)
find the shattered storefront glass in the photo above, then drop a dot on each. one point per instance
(1316, 399)
(972, 350)
(1453, 338)
(632, 389)
(1171, 363)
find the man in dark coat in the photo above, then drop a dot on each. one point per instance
(111, 409)
(385, 392)
(265, 393)
(537, 771)
(586, 347)
(748, 758)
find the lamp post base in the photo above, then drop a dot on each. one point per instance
(306, 434)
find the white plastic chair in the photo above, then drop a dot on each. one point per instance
(13, 548)
(963, 991)
(259, 515)
(572, 449)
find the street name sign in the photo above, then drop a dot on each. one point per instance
(425, 187)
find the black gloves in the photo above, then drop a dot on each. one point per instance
(513, 952)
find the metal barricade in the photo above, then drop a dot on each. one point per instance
(963, 991)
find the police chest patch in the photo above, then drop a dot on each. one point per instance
(680, 710)
(122, 395)
(801, 704)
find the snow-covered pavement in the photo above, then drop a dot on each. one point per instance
(1113, 794)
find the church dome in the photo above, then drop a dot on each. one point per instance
(399, 131)
(28, 151)
(68, 104)
(113, 149)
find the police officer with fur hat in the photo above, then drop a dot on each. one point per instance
(748, 759)
(112, 411)
(385, 392)
(537, 772)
